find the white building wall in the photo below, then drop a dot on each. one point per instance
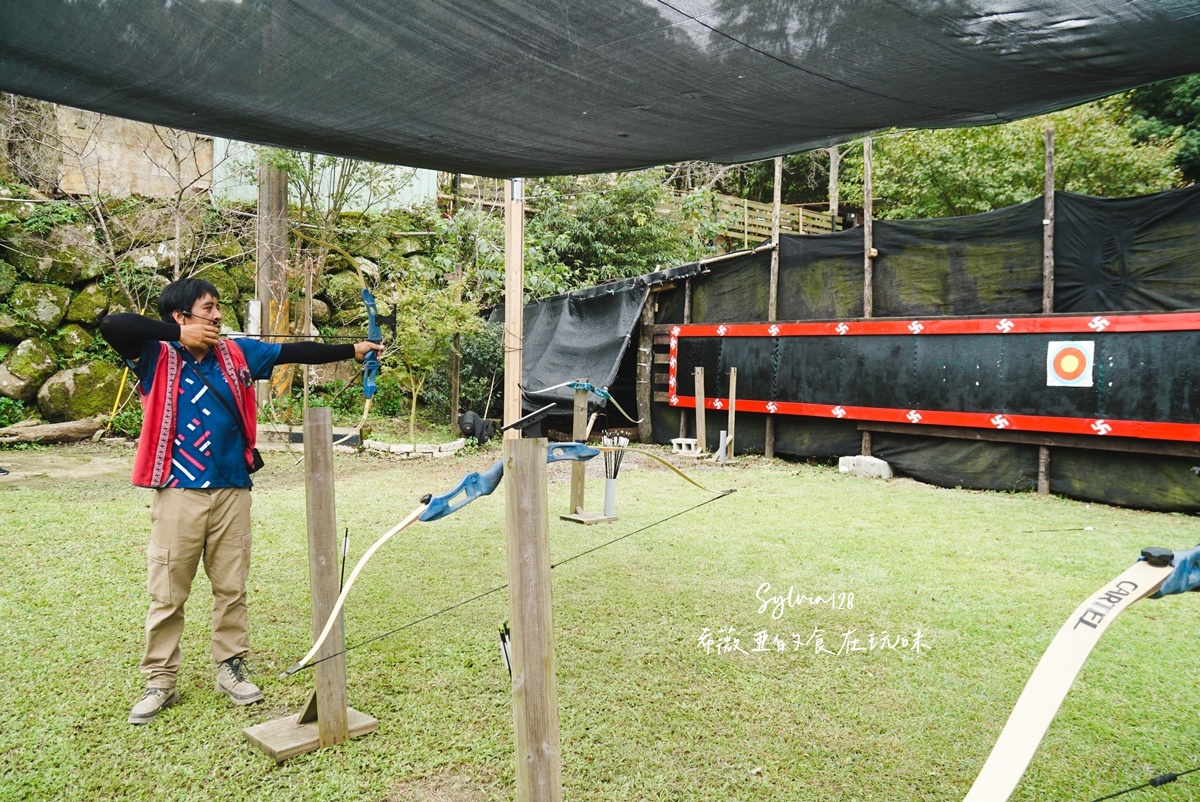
(235, 166)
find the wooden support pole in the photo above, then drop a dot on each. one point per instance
(578, 434)
(535, 704)
(776, 210)
(1043, 480)
(514, 306)
(323, 574)
(835, 163)
(270, 280)
(1048, 228)
(868, 233)
(1043, 477)
(701, 444)
(308, 322)
(732, 411)
(535, 707)
(645, 362)
(687, 318)
(773, 295)
(745, 223)
(325, 720)
(868, 254)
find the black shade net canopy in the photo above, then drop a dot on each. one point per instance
(532, 87)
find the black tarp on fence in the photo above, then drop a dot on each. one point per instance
(1137, 254)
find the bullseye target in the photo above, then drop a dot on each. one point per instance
(1069, 364)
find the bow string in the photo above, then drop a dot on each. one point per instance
(472, 486)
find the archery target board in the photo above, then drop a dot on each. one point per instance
(1134, 375)
(1069, 363)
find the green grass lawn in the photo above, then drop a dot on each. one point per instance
(647, 712)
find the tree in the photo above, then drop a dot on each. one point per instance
(592, 229)
(469, 242)
(427, 318)
(961, 171)
(1170, 111)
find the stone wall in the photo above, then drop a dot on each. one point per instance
(56, 285)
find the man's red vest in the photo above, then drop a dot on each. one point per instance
(152, 463)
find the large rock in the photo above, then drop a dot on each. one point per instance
(71, 343)
(8, 278)
(223, 247)
(22, 210)
(368, 269)
(40, 306)
(26, 368)
(13, 386)
(26, 252)
(230, 319)
(89, 305)
(134, 224)
(81, 392)
(219, 277)
(243, 276)
(374, 248)
(155, 257)
(74, 255)
(12, 328)
(344, 291)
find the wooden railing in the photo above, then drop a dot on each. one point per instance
(740, 220)
(750, 221)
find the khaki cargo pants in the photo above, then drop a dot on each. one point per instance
(186, 525)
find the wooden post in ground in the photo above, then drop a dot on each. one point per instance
(325, 720)
(323, 573)
(773, 295)
(1043, 480)
(645, 366)
(687, 318)
(514, 293)
(868, 255)
(578, 434)
(701, 444)
(732, 411)
(270, 281)
(535, 705)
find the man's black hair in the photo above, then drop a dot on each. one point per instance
(182, 296)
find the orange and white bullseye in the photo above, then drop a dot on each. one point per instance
(1070, 363)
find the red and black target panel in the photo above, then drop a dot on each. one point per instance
(1130, 375)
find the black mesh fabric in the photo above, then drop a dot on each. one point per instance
(1135, 254)
(531, 87)
(1127, 255)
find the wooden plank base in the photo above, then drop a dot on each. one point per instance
(582, 517)
(286, 737)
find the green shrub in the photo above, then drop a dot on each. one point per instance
(481, 375)
(52, 214)
(11, 411)
(128, 421)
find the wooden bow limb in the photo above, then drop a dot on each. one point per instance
(1053, 677)
(341, 599)
(657, 458)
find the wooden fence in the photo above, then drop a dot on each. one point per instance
(750, 221)
(740, 220)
